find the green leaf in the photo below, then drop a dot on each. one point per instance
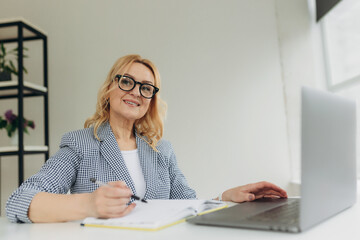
(13, 126)
(2, 123)
(15, 50)
(3, 49)
(9, 130)
(13, 67)
(7, 65)
(8, 69)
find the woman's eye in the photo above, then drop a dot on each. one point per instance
(126, 81)
(146, 88)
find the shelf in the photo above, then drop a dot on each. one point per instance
(29, 85)
(8, 89)
(26, 148)
(18, 31)
(14, 150)
(10, 33)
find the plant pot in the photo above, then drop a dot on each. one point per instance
(14, 139)
(5, 76)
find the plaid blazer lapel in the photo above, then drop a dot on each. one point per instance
(109, 149)
(148, 158)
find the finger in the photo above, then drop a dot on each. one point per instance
(267, 196)
(243, 197)
(271, 196)
(113, 202)
(115, 192)
(259, 196)
(129, 209)
(106, 211)
(109, 212)
(269, 192)
(263, 186)
(251, 197)
(273, 187)
(122, 211)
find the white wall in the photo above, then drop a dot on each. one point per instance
(302, 64)
(222, 73)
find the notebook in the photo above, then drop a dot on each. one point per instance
(328, 172)
(157, 214)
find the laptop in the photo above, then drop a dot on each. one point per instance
(328, 172)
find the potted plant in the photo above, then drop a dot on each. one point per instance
(7, 66)
(11, 122)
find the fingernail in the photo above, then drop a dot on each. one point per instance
(251, 197)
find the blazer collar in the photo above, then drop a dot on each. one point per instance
(110, 151)
(148, 161)
(104, 131)
(112, 154)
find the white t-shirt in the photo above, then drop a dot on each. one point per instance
(132, 162)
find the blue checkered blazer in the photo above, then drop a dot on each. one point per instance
(81, 157)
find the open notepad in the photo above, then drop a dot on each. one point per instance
(157, 214)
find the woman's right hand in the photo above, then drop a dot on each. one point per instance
(111, 201)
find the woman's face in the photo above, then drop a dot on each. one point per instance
(130, 105)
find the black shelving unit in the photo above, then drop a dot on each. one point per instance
(19, 31)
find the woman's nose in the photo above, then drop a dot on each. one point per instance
(136, 90)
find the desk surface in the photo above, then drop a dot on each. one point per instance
(346, 225)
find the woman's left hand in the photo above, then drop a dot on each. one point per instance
(253, 191)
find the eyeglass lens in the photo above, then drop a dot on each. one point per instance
(127, 84)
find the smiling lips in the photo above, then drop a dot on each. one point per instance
(131, 103)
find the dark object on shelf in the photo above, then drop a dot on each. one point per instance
(5, 76)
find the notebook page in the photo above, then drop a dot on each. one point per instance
(155, 213)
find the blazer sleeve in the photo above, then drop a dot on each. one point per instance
(179, 186)
(56, 176)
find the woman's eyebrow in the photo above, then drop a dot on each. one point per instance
(143, 81)
(128, 75)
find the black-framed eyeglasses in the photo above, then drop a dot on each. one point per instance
(127, 83)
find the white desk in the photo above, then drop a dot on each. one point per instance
(344, 226)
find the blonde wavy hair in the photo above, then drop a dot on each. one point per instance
(150, 126)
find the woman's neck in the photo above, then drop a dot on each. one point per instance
(123, 130)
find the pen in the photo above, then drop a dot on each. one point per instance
(104, 184)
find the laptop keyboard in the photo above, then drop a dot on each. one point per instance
(287, 215)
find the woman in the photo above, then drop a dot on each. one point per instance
(121, 145)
